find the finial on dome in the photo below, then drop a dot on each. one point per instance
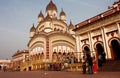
(51, 6)
(62, 12)
(40, 14)
(32, 28)
(71, 25)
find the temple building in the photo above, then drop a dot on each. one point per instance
(19, 59)
(100, 33)
(4, 64)
(52, 39)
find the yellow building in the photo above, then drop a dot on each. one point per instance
(100, 33)
(5, 64)
(51, 39)
(19, 59)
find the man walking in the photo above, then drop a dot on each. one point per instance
(90, 64)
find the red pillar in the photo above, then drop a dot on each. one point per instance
(47, 49)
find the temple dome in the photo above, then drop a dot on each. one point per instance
(62, 13)
(71, 26)
(51, 6)
(32, 29)
(41, 15)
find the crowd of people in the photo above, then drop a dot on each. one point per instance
(92, 63)
(62, 65)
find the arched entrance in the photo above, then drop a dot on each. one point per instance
(99, 49)
(0, 67)
(116, 49)
(100, 54)
(54, 56)
(86, 49)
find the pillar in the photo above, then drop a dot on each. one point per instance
(104, 40)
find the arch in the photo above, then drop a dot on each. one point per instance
(99, 48)
(64, 53)
(86, 48)
(0, 67)
(54, 56)
(55, 29)
(39, 55)
(100, 53)
(59, 56)
(54, 53)
(115, 48)
(42, 55)
(59, 53)
(98, 42)
(114, 38)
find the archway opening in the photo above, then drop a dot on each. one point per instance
(29, 68)
(0, 67)
(100, 54)
(99, 48)
(116, 49)
(86, 49)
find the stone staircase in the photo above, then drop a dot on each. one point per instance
(110, 66)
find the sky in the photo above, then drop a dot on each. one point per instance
(18, 16)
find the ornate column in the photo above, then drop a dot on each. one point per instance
(90, 41)
(77, 47)
(104, 40)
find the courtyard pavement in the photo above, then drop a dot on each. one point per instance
(57, 74)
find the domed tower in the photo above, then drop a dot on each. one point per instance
(32, 31)
(70, 28)
(51, 9)
(40, 17)
(62, 16)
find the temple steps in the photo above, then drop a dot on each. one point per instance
(110, 66)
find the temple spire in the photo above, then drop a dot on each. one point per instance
(50, 0)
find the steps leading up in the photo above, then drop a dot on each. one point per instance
(110, 66)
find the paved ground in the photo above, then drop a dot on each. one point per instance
(57, 74)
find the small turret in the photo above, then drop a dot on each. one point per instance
(62, 16)
(51, 9)
(40, 17)
(32, 31)
(70, 28)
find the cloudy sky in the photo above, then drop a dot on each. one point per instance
(17, 17)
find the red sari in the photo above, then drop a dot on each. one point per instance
(94, 66)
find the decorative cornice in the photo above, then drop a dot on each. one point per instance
(20, 52)
(50, 34)
(97, 17)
